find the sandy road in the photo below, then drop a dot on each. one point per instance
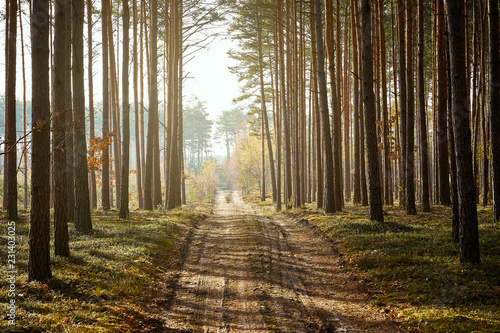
(247, 273)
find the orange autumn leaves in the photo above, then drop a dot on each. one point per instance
(97, 146)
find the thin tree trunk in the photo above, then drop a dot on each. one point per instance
(25, 143)
(410, 115)
(174, 178)
(153, 110)
(83, 222)
(263, 105)
(455, 220)
(424, 147)
(114, 110)
(124, 200)
(330, 39)
(385, 120)
(70, 165)
(444, 184)
(10, 119)
(61, 236)
(136, 108)
(402, 100)
(93, 185)
(105, 107)
(287, 184)
(357, 145)
(494, 102)
(347, 112)
(6, 149)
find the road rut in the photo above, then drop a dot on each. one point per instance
(249, 273)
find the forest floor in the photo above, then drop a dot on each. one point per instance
(237, 265)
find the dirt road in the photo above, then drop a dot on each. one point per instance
(241, 272)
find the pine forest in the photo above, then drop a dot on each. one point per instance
(257, 165)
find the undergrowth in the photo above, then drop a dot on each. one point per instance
(103, 285)
(410, 266)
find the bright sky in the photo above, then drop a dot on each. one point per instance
(211, 80)
(209, 77)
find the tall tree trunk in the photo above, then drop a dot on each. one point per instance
(334, 82)
(424, 147)
(114, 109)
(70, 165)
(402, 100)
(124, 200)
(25, 143)
(82, 218)
(153, 110)
(61, 236)
(455, 220)
(361, 150)
(136, 108)
(10, 119)
(329, 200)
(385, 121)
(174, 177)
(443, 178)
(263, 105)
(39, 234)
(287, 184)
(6, 149)
(92, 177)
(357, 144)
(347, 111)
(468, 231)
(410, 115)
(376, 211)
(105, 106)
(141, 81)
(494, 102)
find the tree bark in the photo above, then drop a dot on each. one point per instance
(39, 234)
(468, 231)
(402, 100)
(174, 178)
(329, 200)
(105, 107)
(136, 108)
(263, 105)
(61, 236)
(92, 176)
(410, 115)
(153, 110)
(124, 200)
(357, 144)
(424, 147)
(375, 194)
(10, 119)
(494, 102)
(81, 218)
(385, 126)
(444, 167)
(70, 165)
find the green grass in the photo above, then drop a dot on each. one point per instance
(106, 283)
(410, 265)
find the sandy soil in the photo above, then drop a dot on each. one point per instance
(241, 272)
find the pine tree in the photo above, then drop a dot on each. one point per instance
(376, 211)
(468, 231)
(39, 234)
